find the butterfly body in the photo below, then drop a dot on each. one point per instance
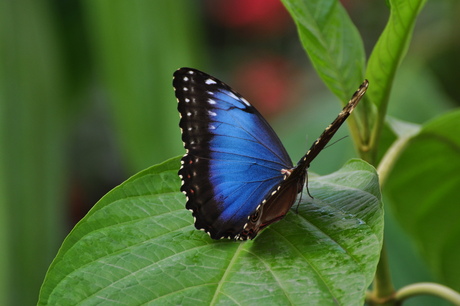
(236, 174)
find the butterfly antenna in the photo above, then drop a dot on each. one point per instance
(340, 139)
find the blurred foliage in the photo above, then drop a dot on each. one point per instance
(33, 128)
(83, 83)
(59, 62)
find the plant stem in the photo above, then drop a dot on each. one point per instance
(389, 159)
(383, 290)
(428, 288)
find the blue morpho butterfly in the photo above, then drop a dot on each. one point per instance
(236, 174)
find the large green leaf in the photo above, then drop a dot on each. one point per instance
(138, 245)
(332, 42)
(423, 189)
(391, 48)
(386, 56)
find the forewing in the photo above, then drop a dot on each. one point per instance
(233, 157)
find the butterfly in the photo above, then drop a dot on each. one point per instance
(236, 173)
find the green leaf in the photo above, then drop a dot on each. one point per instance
(138, 245)
(391, 48)
(423, 191)
(332, 42)
(388, 54)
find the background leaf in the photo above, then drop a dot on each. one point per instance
(423, 191)
(332, 42)
(138, 245)
(391, 48)
(386, 57)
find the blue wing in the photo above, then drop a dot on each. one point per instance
(234, 159)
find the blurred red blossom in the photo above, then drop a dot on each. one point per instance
(267, 83)
(258, 17)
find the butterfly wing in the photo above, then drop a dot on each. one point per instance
(234, 159)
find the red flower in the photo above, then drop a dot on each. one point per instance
(255, 16)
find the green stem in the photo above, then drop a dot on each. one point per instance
(405, 131)
(383, 290)
(391, 156)
(428, 288)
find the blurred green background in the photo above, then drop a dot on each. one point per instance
(86, 101)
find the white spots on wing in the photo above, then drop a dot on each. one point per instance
(245, 101)
(185, 79)
(211, 113)
(231, 94)
(212, 127)
(189, 114)
(187, 100)
(210, 82)
(190, 72)
(211, 101)
(211, 93)
(189, 129)
(241, 99)
(185, 89)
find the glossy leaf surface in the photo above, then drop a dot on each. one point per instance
(138, 245)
